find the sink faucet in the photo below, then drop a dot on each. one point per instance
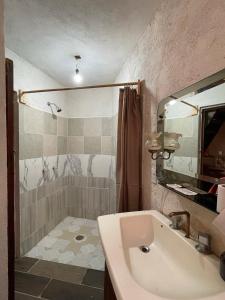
(187, 214)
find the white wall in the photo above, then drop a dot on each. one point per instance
(75, 104)
(3, 172)
(90, 103)
(28, 77)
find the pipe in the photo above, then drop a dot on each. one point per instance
(22, 93)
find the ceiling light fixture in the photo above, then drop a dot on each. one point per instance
(77, 77)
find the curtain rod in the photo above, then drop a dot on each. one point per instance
(22, 93)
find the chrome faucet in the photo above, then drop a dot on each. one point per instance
(204, 243)
(180, 213)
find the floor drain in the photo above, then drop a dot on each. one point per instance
(79, 237)
(145, 249)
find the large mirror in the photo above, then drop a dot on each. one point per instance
(197, 115)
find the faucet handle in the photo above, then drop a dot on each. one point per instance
(204, 243)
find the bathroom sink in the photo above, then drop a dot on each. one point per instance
(168, 267)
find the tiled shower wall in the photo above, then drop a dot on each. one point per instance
(43, 175)
(91, 179)
(66, 168)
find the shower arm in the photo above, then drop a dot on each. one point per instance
(22, 93)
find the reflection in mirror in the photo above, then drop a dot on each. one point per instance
(213, 142)
(197, 115)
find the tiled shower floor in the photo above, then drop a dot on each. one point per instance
(75, 242)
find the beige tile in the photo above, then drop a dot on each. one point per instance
(49, 145)
(76, 201)
(96, 203)
(62, 145)
(93, 127)
(107, 145)
(92, 145)
(76, 127)
(99, 182)
(33, 120)
(107, 126)
(76, 144)
(50, 124)
(62, 126)
(78, 181)
(30, 146)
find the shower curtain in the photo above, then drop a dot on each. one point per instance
(129, 151)
(128, 168)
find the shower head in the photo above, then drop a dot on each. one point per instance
(50, 104)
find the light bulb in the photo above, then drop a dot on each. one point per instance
(77, 77)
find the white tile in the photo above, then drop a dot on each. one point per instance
(47, 242)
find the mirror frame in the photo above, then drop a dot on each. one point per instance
(165, 176)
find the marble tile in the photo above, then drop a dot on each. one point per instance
(92, 127)
(92, 144)
(76, 144)
(107, 145)
(76, 127)
(62, 145)
(49, 145)
(101, 166)
(85, 252)
(76, 164)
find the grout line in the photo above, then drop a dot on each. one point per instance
(22, 293)
(33, 265)
(47, 285)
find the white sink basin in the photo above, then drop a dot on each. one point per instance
(172, 269)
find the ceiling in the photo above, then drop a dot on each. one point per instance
(48, 33)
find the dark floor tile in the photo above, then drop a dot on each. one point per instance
(94, 278)
(30, 284)
(20, 296)
(24, 264)
(59, 290)
(59, 271)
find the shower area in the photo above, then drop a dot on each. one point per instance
(67, 144)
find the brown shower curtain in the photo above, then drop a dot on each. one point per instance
(128, 168)
(129, 151)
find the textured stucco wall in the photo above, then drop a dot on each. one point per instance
(183, 44)
(3, 172)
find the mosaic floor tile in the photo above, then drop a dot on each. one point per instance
(75, 242)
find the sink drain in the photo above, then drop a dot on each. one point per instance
(145, 249)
